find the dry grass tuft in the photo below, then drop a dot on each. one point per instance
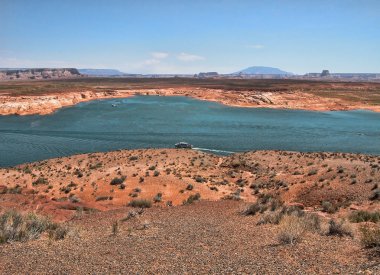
(15, 226)
(291, 230)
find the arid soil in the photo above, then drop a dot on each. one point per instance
(208, 235)
(201, 238)
(60, 186)
(45, 97)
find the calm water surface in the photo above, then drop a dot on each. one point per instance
(149, 121)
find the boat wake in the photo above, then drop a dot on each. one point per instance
(214, 150)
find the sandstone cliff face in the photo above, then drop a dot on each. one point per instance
(46, 104)
(44, 73)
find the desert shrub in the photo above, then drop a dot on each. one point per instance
(78, 173)
(15, 226)
(152, 168)
(132, 214)
(370, 237)
(40, 180)
(103, 198)
(72, 184)
(156, 173)
(27, 170)
(291, 229)
(199, 179)
(122, 186)
(310, 221)
(15, 190)
(328, 207)
(312, 172)
(133, 158)
(58, 232)
(158, 197)
(189, 187)
(275, 204)
(140, 203)
(265, 202)
(252, 209)
(340, 170)
(294, 210)
(271, 218)
(214, 188)
(364, 216)
(117, 180)
(234, 196)
(375, 195)
(74, 199)
(96, 166)
(192, 198)
(264, 198)
(339, 228)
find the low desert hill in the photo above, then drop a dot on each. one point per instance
(111, 180)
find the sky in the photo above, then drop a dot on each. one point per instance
(177, 36)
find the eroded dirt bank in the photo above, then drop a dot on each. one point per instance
(295, 99)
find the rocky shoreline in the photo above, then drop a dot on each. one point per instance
(297, 99)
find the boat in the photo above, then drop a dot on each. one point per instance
(183, 145)
(114, 105)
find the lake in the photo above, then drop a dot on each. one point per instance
(160, 122)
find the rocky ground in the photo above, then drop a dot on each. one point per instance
(202, 238)
(91, 194)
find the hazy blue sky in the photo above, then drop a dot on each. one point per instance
(174, 36)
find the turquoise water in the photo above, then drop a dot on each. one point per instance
(150, 121)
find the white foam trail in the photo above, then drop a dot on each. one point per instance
(213, 150)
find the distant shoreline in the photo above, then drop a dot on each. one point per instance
(296, 100)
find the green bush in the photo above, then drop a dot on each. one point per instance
(192, 198)
(375, 195)
(199, 179)
(312, 172)
(158, 197)
(40, 180)
(117, 180)
(140, 203)
(364, 216)
(190, 187)
(252, 209)
(103, 198)
(328, 207)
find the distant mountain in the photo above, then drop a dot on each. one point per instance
(262, 70)
(101, 72)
